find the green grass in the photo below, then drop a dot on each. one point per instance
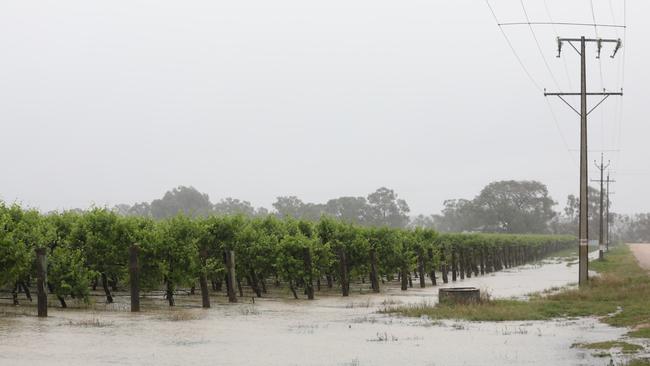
(638, 362)
(624, 346)
(640, 333)
(620, 295)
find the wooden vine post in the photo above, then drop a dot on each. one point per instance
(232, 281)
(432, 274)
(345, 280)
(454, 265)
(309, 284)
(41, 280)
(203, 281)
(134, 277)
(443, 265)
(461, 262)
(421, 263)
(374, 280)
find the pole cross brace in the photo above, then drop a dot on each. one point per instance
(605, 95)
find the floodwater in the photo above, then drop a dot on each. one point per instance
(278, 330)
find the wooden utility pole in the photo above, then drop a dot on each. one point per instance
(601, 231)
(607, 219)
(583, 230)
(604, 200)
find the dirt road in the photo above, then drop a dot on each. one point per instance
(642, 254)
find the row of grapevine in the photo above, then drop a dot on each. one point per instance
(91, 250)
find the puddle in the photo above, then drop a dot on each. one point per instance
(331, 330)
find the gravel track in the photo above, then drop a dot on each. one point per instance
(642, 254)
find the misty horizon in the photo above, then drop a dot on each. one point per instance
(106, 104)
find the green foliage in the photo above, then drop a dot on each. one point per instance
(289, 257)
(68, 275)
(21, 232)
(15, 259)
(176, 251)
(104, 238)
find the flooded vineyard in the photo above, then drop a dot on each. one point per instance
(277, 330)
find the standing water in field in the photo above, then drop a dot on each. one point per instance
(331, 330)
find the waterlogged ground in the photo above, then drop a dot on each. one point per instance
(331, 330)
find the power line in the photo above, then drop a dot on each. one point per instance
(611, 10)
(512, 48)
(593, 17)
(530, 77)
(548, 68)
(539, 48)
(600, 71)
(557, 35)
(559, 130)
(565, 23)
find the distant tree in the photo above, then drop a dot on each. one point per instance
(422, 221)
(515, 207)
(312, 211)
(122, 209)
(458, 215)
(567, 221)
(630, 228)
(640, 228)
(290, 206)
(233, 206)
(261, 212)
(186, 200)
(386, 209)
(504, 206)
(349, 209)
(140, 209)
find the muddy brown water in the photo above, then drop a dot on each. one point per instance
(331, 330)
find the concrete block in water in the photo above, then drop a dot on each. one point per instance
(459, 295)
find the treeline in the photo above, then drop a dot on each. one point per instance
(90, 250)
(516, 207)
(380, 208)
(631, 228)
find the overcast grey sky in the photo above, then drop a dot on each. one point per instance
(112, 102)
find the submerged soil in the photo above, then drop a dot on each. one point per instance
(331, 330)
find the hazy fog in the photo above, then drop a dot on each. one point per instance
(119, 101)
